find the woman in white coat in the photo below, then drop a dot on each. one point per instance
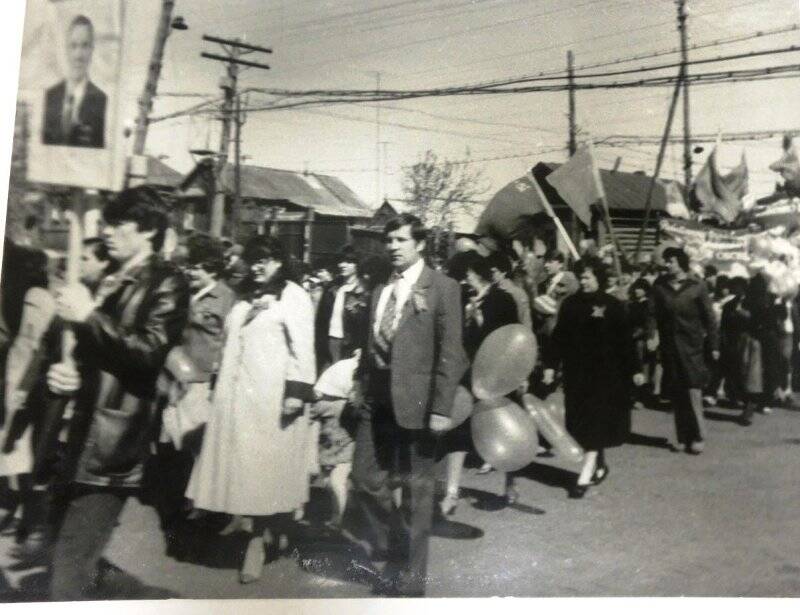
(257, 433)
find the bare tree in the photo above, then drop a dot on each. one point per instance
(437, 190)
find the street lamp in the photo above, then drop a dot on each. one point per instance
(179, 24)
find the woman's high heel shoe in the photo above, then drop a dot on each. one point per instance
(600, 474)
(511, 496)
(449, 504)
(254, 560)
(577, 492)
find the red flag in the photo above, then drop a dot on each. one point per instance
(721, 194)
(578, 184)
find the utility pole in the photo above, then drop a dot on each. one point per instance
(138, 170)
(572, 145)
(384, 170)
(237, 177)
(231, 110)
(378, 178)
(683, 14)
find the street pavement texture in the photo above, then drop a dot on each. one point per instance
(664, 523)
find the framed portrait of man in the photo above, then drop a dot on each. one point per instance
(70, 78)
(75, 108)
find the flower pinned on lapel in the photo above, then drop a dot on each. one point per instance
(419, 300)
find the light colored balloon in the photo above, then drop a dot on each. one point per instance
(503, 362)
(544, 416)
(504, 434)
(182, 367)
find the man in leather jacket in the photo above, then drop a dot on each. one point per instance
(123, 336)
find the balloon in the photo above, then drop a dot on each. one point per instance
(504, 434)
(182, 367)
(462, 406)
(503, 362)
(544, 417)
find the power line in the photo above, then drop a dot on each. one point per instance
(515, 21)
(519, 80)
(579, 42)
(407, 126)
(711, 77)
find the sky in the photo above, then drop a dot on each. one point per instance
(415, 44)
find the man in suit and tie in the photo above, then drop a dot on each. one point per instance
(407, 380)
(75, 108)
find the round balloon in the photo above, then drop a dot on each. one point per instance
(503, 362)
(462, 406)
(504, 434)
(182, 367)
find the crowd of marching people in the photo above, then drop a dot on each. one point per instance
(234, 378)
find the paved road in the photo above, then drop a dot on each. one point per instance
(726, 523)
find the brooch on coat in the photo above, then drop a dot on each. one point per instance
(598, 311)
(419, 300)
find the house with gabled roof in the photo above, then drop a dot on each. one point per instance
(312, 213)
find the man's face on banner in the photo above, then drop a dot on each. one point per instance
(80, 45)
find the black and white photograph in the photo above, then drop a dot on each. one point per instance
(345, 305)
(71, 85)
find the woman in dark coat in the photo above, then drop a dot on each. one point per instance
(687, 328)
(593, 344)
(755, 313)
(487, 309)
(732, 341)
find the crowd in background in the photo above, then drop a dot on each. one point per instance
(237, 335)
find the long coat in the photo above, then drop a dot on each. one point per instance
(592, 342)
(252, 462)
(686, 322)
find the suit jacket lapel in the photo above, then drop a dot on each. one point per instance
(423, 282)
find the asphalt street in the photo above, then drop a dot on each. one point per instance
(664, 523)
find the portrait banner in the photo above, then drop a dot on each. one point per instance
(70, 81)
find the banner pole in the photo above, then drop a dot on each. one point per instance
(556, 220)
(75, 245)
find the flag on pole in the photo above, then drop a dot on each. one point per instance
(577, 182)
(721, 194)
(556, 220)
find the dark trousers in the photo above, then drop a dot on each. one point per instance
(85, 520)
(689, 420)
(386, 457)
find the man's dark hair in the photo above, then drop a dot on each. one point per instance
(597, 267)
(82, 20)
(478, 264)
(709, 271)
(679, 255)
(418, 230)
(142, 205)
(99, 248)
(206, 252)
(501, 262)
(554, 255)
